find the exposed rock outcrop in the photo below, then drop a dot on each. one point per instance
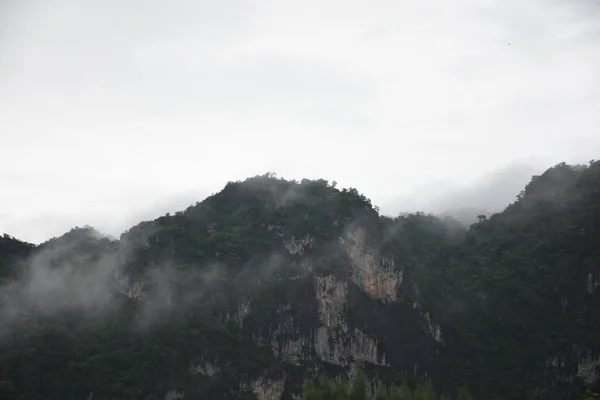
(588, 369)
(175, 394)
(376, 275)
(268, 389)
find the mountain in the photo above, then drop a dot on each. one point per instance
(262, 287)
(465, 216)
(490, 193)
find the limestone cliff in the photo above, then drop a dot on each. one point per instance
(377, 275)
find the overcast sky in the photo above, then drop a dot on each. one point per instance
(115, 111)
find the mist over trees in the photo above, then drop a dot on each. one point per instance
(489, 194)
(273, 288)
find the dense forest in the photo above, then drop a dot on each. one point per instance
(278, 289)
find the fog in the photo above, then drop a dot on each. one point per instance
(87, 274)
(489, 193)
(109, 109)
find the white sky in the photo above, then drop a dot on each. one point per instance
(116, 111)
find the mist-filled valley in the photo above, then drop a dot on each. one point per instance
(279, 289)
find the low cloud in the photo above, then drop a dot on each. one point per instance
(105, 101)
(490, 193)
(41, 222)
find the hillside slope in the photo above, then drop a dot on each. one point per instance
(270, 281)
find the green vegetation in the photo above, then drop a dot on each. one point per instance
(222, 300)
(337, 389)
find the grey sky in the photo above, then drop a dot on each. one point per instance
(115, 111)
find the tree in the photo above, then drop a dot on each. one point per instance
(401, 392)
(463, 393)
(339, 391)
(8, 391)
(359, 386)
(425, 391)
(589, 395)
(310, 391)
(381, 393)
(328, 389)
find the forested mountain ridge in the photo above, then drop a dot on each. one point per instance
(271, 282)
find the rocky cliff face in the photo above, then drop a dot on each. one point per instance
(376, 275)
(242, 295)
(334, 301)
(323, 324)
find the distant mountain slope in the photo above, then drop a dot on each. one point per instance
(491, 193)
(270, 281)
(11, 251)
(465, 216)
